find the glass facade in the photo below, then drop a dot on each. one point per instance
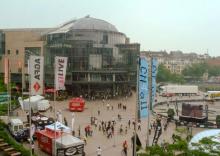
(99, 61)
(31, 51)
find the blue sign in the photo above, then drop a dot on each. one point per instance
(143, 87)
(153, 79)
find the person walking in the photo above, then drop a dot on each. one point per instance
(129, 123)
(65, 121)
(139, 125)
(99, 151)
(125, 147)
(108, 106)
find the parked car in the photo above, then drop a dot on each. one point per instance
(18, 130)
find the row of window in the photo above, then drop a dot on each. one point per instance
(9, 52)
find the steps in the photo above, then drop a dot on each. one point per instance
(7, 149)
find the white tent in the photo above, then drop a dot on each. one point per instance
(59, 126)
(37, 102)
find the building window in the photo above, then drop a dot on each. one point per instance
(104, 39)
(8, 52)
(17, 51)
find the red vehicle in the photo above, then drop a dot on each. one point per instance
(77, 104)
(66, 144)
(46, 140)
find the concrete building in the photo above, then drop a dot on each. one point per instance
(17, 45)
(175, 61)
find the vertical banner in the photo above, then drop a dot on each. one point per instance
(153, 78)
(6, 70)
(60, 72)
(143, 87)
(36, 67)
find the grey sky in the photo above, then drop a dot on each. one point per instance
(187, 25)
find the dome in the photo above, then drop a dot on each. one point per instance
(86, 23)
(90, 23)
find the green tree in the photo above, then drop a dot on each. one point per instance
(2, 85)
(198, 69)
(164, 75)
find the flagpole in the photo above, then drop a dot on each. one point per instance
(149, 101)
(7, 79)
(29, 79)
(54, 96)
(136, 109)
(22, 78)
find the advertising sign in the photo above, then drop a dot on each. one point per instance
(36, 66)
(143, 87)
(60, 72)
(153, 78)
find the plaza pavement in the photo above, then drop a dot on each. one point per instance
(112, 146)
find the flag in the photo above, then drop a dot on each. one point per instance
(153, 78)
(6, 70)
(36, 66)
(143, 87)
(60, 72)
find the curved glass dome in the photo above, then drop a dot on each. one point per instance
(86, 23)
(90, 23)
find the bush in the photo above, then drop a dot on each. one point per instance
(218, 121)
(170, 113)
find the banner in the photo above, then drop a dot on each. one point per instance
(6, 70)
(60, 72)
(153, 78)
(143, 87)
(36, 67)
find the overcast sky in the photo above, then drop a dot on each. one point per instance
(187, 25)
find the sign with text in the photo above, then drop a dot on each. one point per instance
(60, 72)
(143, 87)
(153, 78)
(36, 67)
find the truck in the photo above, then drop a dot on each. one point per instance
(37, 103)
(212, 95)
(66, 144)
(182, 90)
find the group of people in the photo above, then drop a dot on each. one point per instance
(122, 106)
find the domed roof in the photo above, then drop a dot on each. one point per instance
(86, 23)
(90, 23)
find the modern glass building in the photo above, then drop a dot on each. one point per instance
(101, 61)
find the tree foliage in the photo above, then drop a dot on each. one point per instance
(2, 85)
(164, 75)
(197, 70)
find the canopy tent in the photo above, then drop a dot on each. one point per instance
(58, 126)
(68, 141)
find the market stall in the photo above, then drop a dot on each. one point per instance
(40, 121)
(65, 143)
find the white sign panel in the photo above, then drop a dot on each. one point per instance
(60, 72)
(36, 67)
